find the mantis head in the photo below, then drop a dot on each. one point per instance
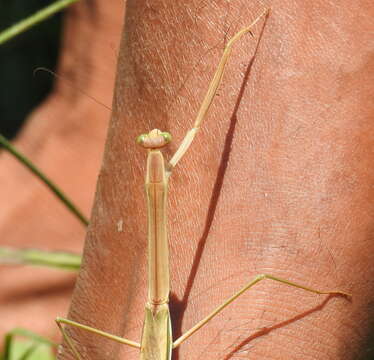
(154, 139)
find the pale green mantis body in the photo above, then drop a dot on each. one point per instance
(156, 341)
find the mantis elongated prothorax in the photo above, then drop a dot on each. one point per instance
(156, 341)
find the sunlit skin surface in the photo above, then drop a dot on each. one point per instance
(280, 181)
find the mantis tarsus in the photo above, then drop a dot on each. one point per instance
(156, 341)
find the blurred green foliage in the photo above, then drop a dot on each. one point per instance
(22, 344)
(21, 349)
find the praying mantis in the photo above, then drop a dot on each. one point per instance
(157, 342)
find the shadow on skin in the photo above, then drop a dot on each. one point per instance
(267, 330)
(177, 307)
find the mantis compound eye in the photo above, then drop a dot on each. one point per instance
(154, 139)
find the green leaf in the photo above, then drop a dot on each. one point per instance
(29, 350)
(54, 259)
(35, 348)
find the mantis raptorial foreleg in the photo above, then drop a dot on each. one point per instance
(208, 99)
(156, 342)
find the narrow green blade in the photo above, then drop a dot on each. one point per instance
(38, 173)
(54, 259)
(34, 19)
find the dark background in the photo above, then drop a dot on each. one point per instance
(21, 90)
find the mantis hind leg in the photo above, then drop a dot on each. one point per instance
(61, 322)
(253, 282)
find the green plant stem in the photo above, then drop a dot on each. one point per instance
(34, 19)
(25, 161)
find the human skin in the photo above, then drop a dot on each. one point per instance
(65, 138)
(278, 181)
